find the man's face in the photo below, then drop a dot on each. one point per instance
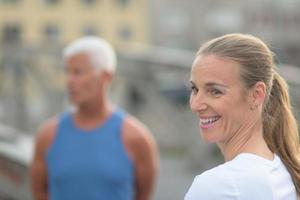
(83, 80)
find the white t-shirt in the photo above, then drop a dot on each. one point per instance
(246, 177)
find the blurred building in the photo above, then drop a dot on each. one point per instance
(187, 24)
(49, 22)
(32, 34)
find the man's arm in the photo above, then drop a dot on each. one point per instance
(38, 169)
(141, 147)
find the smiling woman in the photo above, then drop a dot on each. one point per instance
(243, 106)
(217, 98)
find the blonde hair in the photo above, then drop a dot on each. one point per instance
(257, 64)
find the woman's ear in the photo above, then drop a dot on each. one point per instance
(258, 94)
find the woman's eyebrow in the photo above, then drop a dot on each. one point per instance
(210, 84)
(192, 83)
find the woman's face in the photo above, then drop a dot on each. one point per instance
(219, 98)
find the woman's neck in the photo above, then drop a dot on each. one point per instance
(250, 140)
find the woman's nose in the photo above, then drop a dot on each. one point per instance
(198, 103)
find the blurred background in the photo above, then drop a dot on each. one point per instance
(156, 41)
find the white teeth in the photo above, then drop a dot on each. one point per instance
(208, 120)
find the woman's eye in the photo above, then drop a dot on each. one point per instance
(194, 90)
(215, 92)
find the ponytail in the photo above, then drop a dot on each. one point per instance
(281, 130)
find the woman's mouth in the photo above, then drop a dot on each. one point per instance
(208, 122)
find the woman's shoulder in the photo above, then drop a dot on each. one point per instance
(236, 179)
(212, 184)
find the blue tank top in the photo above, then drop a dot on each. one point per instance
(89, 164)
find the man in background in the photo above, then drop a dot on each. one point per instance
(96, 151)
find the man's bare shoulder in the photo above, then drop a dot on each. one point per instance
(137, 135)
(46, 133)
(135, 129)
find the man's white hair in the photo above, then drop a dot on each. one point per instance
(101, 53)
